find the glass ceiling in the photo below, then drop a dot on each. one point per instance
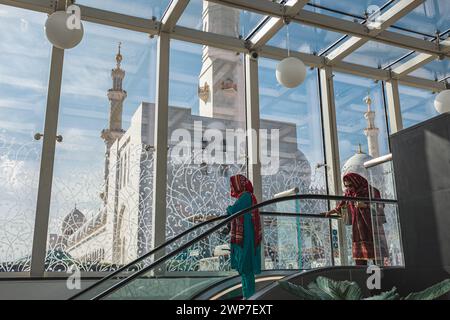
(344, 9)
(422, 22)
(376, 54)
(138, 8)
(304, 38)
(432, 15)
(435, 70)
(192, 18)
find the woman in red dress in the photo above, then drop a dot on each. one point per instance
(363, 245)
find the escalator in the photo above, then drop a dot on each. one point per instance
(195, 263)
(231, 288)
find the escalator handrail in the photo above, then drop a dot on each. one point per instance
(226, 219)
(145, 256)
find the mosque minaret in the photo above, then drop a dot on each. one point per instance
(116, 96)
(221, 78)
(371, 131)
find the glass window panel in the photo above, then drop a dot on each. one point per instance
(138, 8)
(434, 70)
(100, 214)
(207, 101)
(416, 105)
(304, 38)
(362, 135)
(376, 54)
(24, 71)
(343, 9)
(428, 17)
(216, 18)
(350, 92)
(296, 114)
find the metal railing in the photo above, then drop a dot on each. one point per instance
(225, 220)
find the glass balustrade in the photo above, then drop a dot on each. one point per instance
(385, 218)
(294, 239)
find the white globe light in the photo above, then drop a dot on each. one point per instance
(59, 34)
(442, 101)
(291, 72)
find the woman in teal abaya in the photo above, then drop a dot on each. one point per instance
(246, 234)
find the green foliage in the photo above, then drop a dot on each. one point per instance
(327, 289)
(431, 293)
(298, 291)
(388, 295)
(324, 289)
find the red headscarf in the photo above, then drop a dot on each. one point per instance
(360, 188)
(240, 184)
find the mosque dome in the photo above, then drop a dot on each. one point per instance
(72, 222)
(355, 164)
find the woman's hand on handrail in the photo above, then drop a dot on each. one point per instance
(361, 205)
(330, 213)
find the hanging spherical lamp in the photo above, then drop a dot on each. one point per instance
(442, 101)
(58, 32)
(291, 72)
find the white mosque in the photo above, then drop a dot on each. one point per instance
(121, 230)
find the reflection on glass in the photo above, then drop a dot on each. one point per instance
(343, 9)
(434, 70)
(24, 71)
(138, 8)
(208, 264)
(216, 18)
(375, 54)
(387, 236)
(361, 119)
(100, 214)
(416, 105)
(362, 129)
(304, 38)
(206, 142)
(429, 17)
(296, 114)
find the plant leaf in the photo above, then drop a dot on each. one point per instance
(328, 289)
(432, 292)
(298, 291)
(387, 295)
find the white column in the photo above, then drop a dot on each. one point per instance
(393, 103)
(253, 123)
(47, 161)
(330, 131)
(332, 159)
(161, 141)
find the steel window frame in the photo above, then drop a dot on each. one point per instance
(167, 29)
